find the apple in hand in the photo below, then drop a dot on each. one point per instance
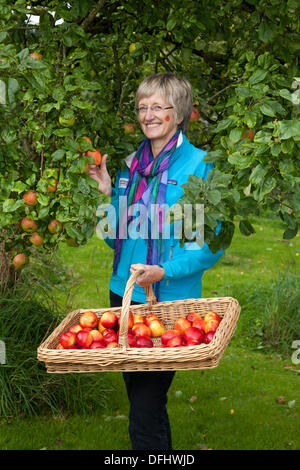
(96, 155)
(67, 340)
(88, 319)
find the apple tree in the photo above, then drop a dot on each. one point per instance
(69, 70)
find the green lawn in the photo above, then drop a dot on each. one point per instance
(231, 407)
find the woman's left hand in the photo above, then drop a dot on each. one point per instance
(151, 274)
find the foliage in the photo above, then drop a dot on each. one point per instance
(27, 315)
(242, 58)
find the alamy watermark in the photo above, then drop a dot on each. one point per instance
(159, 222)
(2, 353)
(296, 354)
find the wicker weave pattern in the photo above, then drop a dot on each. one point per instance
(124, 358)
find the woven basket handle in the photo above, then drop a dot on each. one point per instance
(150, 297)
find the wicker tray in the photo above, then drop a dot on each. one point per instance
(124, 358)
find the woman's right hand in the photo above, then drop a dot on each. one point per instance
(100, 174)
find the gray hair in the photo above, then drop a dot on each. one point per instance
(174, 89)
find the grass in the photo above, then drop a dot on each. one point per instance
(232, 407)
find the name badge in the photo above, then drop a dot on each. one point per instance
(123, 182)
(172, 182)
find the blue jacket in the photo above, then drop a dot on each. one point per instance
(184, 266)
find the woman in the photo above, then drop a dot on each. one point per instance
(152, 178)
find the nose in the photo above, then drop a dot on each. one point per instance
(149, 113)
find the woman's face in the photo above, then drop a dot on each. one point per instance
(157, 126)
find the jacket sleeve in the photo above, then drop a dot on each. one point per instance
(108, 216)
(191, 260)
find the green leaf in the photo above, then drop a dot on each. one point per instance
(2, 92)
(65, 132)
(258, 76)
(288, 129)
(58, 155)
(81, 104)
(250, 118)
(13, 87)
(83, 186)
(235, 135)
(213, 196)
(246, 228)
(239, 160)
(171, 23)
(290, 233)
(257, 174)
(265, 31)
(222, 125)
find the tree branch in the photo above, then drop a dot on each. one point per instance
(89, 19)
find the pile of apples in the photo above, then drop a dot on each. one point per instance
(92, 332)
(191, 330)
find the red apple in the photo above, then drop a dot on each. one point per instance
(52, 185)
(110, 337)
(191, 342)
(113, 344)
(97, 336)
(212, 316)
(208, 337)
(36, 239)
(140, 329)
(59, 346)
(131, 340)
(130, 320)
(108, 319)
(192, 316)
(128, 128)
(144, 342)
(175, 342)
(181, 324)
(211, 325)
(168, 334)
(36, 55)
(88, 319)
(75, 328)
(28, 225)
(67, 340)
(20, 260)
(156, 328)
(149, 317)
(96, 155)
(87, 139)
(84, 339)
(98, 345)
(55, 226)
(138, 318)
(193, 333)
(199, 323)
(195, 115)
(30, 198)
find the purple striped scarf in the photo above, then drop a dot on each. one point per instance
(147, 185)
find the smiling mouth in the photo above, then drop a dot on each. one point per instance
(153, 124)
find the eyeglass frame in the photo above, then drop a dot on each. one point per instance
(145, 109)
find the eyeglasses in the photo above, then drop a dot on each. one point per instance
(155, 109)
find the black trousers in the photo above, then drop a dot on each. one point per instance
(149, 426)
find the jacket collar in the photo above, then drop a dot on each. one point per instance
(130, 157)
